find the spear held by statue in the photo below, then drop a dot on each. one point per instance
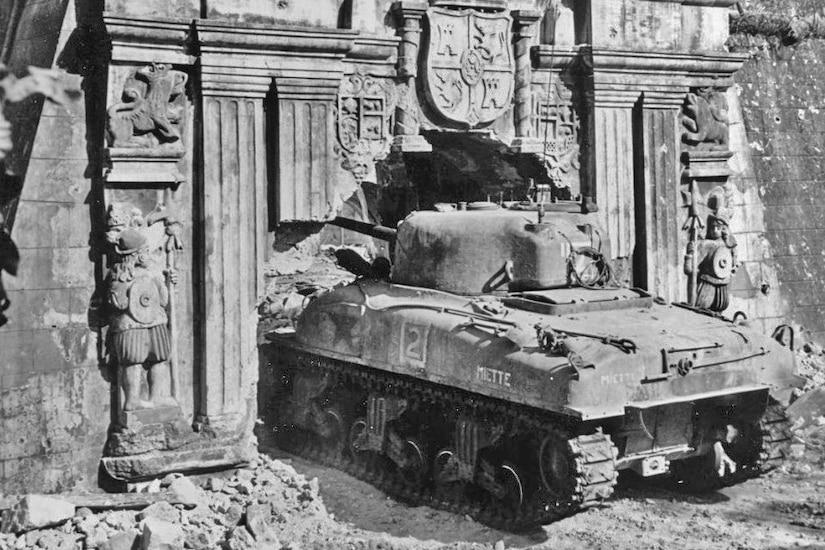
(692, 225)
(171, 247)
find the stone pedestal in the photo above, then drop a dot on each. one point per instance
(128, 166)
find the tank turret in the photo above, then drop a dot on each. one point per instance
(492, 250)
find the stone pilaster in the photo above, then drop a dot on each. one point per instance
(305, 147)
(233, 246)
(659, 237)
(240, 68)
(609, 170)
(407, 138)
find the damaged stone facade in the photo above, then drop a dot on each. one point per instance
(781, 97)
(254, 123)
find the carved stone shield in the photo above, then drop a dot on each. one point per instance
(722, 263)
(144, 300)
(469, 68)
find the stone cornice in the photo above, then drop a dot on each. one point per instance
(674, 64)
(710, 3)
(232, 39)
(318, 89)
(620, 77)
(701, 3)
(369, 49)
(552, 57)
(243, 60)
(142, 40)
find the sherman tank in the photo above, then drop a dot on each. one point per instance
(492, 366)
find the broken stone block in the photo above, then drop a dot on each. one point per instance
(96, 537)
(120, 520)
(160, 535)
(160, 510)
(187, 491)
(55, 540)
(240, 539)
(215, 484)
(258, 520)
(35, 512)
(121, 541)
(805, 410)
(233, 515)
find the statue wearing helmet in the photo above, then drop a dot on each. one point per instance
(137, 295)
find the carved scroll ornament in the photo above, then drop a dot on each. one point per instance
(150, 114)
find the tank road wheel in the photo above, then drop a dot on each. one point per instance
(333, 429)
(514, 488)
(357, 437)
(448, 487)
(443, 470)
(416, 468)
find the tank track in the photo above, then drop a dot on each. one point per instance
(591, 457)
(777, 437)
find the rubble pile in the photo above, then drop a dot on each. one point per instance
(810, 364)
(268, 506)
(292, 282)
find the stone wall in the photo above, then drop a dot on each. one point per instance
(55, 401)
(783, 114)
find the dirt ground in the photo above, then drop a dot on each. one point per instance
(784, 509)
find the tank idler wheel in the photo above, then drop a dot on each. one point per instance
(558, 470)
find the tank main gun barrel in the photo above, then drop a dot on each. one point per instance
(371, 229)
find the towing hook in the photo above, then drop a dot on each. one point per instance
(625, 344)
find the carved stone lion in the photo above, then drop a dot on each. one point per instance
(705, 119)
(150, 112)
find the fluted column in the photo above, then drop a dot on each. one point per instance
(524, 29)
(611, 162)
(659, 265)
(233, 247)
(407, 138)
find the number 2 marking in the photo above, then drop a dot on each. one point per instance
(414, 343)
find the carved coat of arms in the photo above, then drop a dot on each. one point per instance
(469, 68)
(364, 112)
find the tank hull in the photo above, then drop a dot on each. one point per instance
(495, 392)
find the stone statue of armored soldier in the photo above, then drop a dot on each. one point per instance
(712, 261)
(137, 297)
